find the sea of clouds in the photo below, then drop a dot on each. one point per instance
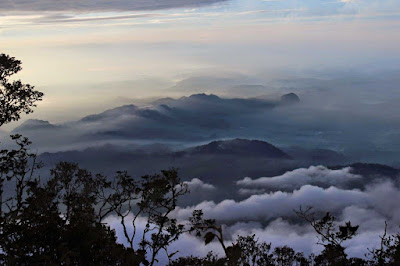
(269, 213)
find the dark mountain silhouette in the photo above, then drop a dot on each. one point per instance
(216, 162)
(320, 156)
(212, 103)
(373, 170)
(240, 147)
(34, 124)
(198, 117)
(203, 97)
(220, 163)
(200, 110)
(290, 98)
(194, 98)
(112, 113)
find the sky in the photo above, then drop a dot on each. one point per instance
(86, 54)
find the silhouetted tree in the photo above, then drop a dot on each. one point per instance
(210, 260)
(61, 221)
(55, 222)
(284, 256)
(329, 235)
(15, 96)
(389, 251)
(154, 197)
(253, 252)
(246, 250)
(209, 230)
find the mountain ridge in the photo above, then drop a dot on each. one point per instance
(240, 146)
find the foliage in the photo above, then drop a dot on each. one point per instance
(331, 236)
(389, 251)
(70, 208)
(246, 250)
(210, 260)
(61, 220)
(15, 97)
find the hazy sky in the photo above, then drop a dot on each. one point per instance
(80, 52)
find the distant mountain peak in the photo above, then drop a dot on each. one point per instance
(36, 122)
(372, 170)
(290, 98)
(121, 110)
(241, 146)
(33, 124)
(126, 108)
(204, 96)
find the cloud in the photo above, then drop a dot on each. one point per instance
(250, 191)
(199, 191)
(270, 206)
(377, 200)
(283, 231)
(197, 185)
(279, 232)
(186, 245)
(60, 18)
(102, 5)
(314, 175)
(368, 6)
(271, 218)
(369, 209)
(302, 238)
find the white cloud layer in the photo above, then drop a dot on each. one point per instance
(271, 218)
(197, 185)
(277, 204)
(314, 175)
